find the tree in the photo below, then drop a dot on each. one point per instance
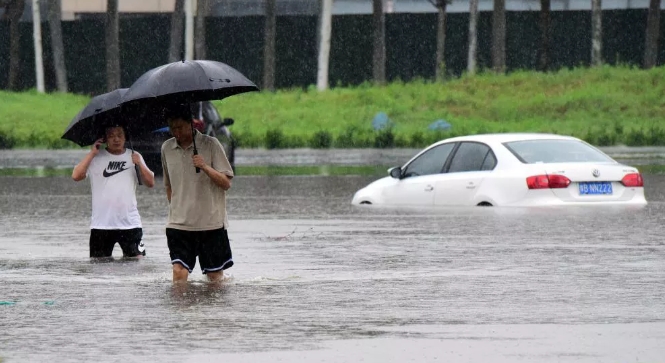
(440, 38)
(473, 36)
(596, 33)
(55, 26)
(269, 45)
(324, 44)
(13, 12)
(177, 28)
(200, 29)
(545, 35)
(499, 36)
(112, 46)
(379, 41)
(652, 31)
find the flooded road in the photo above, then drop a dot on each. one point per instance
(318, 280)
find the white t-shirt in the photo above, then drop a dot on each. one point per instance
(113, 182)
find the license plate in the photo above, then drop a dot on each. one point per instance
(595, 188)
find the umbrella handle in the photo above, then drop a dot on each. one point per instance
(196, 152)
(136, 167)
(138, 174)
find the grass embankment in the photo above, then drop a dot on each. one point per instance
(605, 106)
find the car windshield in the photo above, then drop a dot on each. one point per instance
(555, 151)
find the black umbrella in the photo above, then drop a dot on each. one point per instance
(189, 81)
(184, 82)
(101, 112)
(88, 125)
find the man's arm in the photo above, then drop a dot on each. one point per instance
(220, 179)
(147, 176)
(165, 171)
(81, 169)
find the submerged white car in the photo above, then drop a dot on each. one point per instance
(507, 170)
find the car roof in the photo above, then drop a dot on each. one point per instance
(507, 137)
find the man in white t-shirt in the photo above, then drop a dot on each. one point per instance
(113, 180)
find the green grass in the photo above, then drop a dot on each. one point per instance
(606, 106)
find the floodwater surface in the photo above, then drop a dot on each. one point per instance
(318, 280)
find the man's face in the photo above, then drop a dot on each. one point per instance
(115, 139)
(181, 130)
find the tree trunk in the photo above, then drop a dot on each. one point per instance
(200, 29)
(596, 33)
(112, 46)
(55, 26)
(269, 45)
(324, 44)
(379, 37)
(473, 36)
(544, 59)
(177, 28)
(652, 31)
(499, 36)
(14, 11)
(441, 40)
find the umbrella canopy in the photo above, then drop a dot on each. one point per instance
(188, 81)
(88, 125)
(107, 110)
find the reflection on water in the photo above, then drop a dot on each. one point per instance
(316, 279)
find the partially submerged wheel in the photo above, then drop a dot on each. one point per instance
(484, 204)
(365, 202)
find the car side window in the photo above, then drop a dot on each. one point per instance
(430, 162)
(210, 113)
(490, 162)
(472, 156)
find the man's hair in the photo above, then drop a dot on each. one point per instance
(179, 111)
(107, 127)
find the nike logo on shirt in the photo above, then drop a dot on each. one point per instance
(114, 168)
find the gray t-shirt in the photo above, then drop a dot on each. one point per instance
(197, 203)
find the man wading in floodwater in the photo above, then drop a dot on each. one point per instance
(197, 200)
(113, 179)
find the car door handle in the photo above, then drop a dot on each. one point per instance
(429, 188)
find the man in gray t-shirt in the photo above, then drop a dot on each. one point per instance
(197, 222)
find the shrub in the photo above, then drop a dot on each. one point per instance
(274, 139)
(6, 141)
(321, 140)
(384, 139)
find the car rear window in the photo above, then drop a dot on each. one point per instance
(555, 151)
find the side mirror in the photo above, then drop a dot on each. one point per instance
(395, 172)
(227, 121)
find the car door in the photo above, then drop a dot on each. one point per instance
(469, 165)
(416, 186)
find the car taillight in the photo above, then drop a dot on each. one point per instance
(547, 182)
(633, 180)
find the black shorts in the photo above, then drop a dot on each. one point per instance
(102, 242)
(212, 247)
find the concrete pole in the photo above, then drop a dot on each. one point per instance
(324, 45)
(37, 35)
(189, 30)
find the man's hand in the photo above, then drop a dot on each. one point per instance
(94, 149)
(199, 162)
(136, 158)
